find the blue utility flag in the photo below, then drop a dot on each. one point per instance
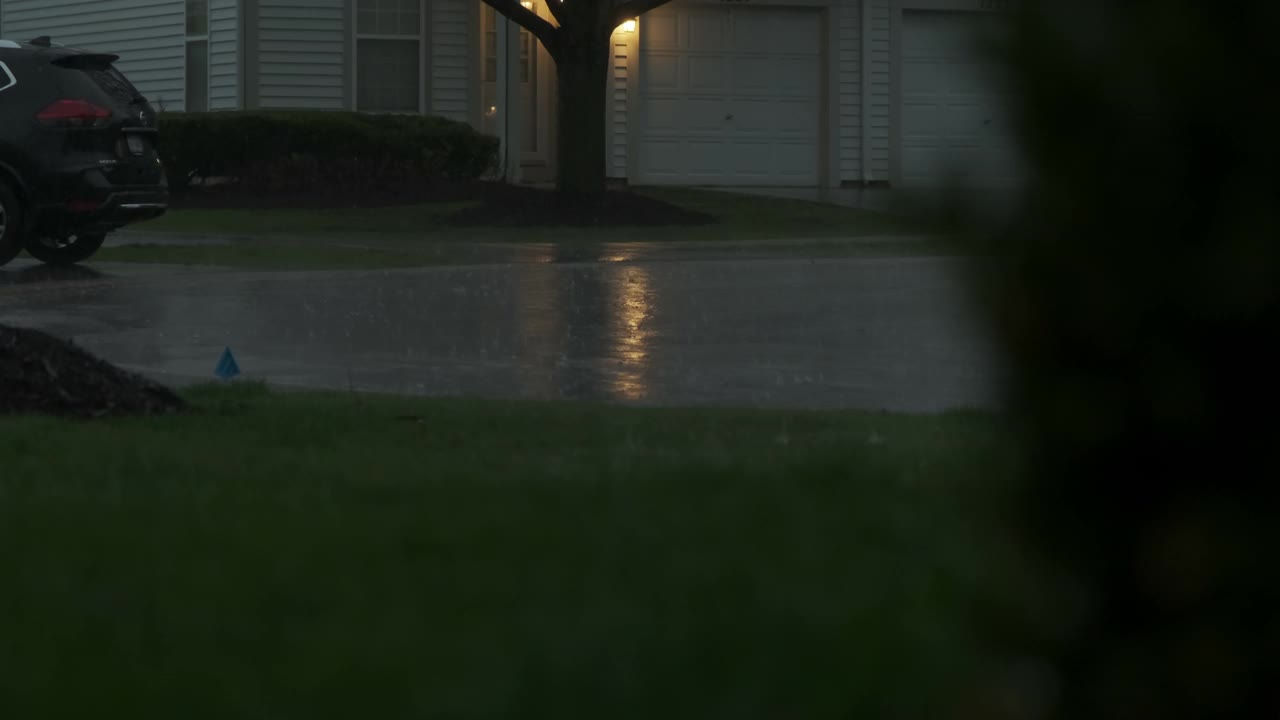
(227, 367)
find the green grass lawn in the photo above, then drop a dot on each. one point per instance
(342, 556)
(418, 235)
(742, 217)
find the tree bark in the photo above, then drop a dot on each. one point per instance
(580, 151)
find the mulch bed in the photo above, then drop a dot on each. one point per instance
(40, 374)
(516, 205)
(494, 204)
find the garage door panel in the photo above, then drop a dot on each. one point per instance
(707, 74)
(685, 114)
(966, 148)
(791, 159)
(935, 35)
(796, 117)
(752, 116)
(963, 119)
(751, 159)
(674, 160)
(777, 33)
(921, 76)
(798, 77)
(752, 74)
(665, 114)
(961, 78)
(776, 117)
(921, 119)
(951, 117)
(661, 157)
(703, 114)
(662, 32)
(661, 72)
(707, 31)
(925, 166)
(752, 32)
(732, 108)
(704, 156)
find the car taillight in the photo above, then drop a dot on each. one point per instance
(74, 114)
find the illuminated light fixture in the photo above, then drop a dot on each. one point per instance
(628, 25)
(526, 5)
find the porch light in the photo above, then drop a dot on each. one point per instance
(526, 4)
(628, 26)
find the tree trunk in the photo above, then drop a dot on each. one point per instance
(580, 151)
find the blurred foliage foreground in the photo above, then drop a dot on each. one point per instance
(1136, 293)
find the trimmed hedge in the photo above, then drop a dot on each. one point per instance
(290, 150)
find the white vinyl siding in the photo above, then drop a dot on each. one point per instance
(149, 36)
(224, 54)
(622, 76)
(451, 47)
(848, 87)
(879, 94)
(302, 59)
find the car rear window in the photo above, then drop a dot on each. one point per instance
(100, 70)
(114, 83)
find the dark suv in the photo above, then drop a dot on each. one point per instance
(77, 152)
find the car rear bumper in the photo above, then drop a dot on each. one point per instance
(129, 207)
(89, 203)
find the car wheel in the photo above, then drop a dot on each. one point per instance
(65, 251)
(10, 224)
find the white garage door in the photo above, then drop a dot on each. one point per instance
(954, 116)
(729, 97)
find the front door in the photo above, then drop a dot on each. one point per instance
(536, 80)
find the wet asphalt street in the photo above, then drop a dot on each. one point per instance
(867, 333)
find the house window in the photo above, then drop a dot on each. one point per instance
(197, 98)
(389, 55)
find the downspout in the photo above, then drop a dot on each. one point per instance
(865, 102)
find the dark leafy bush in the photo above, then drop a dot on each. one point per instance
(294, 150)
(1138, 295)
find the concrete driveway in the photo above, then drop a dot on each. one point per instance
(882, 333)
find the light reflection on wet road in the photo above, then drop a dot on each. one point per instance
(872, 333)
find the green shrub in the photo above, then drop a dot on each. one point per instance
(1137, 292)
(279, 150)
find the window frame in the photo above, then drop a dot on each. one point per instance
(421, 39)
